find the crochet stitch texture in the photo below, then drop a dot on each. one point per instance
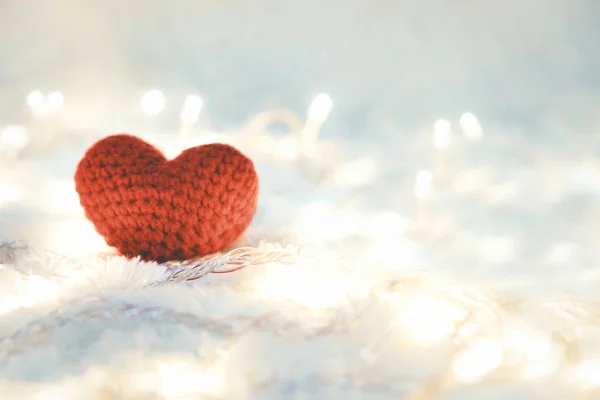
(160, 210)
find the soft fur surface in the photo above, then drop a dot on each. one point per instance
(264, 332)
(372, 304)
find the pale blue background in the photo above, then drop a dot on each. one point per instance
(389, 65)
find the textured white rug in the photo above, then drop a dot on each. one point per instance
(290, 324)
(348, 284)
(339, 293)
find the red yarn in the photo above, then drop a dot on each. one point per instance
(144, 205)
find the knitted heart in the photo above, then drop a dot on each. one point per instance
(144, 205)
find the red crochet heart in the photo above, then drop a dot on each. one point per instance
(144, 205)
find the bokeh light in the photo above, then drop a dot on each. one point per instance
(153, 102)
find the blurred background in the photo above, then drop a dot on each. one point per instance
(389, 65)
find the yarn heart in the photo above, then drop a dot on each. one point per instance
(160, 210)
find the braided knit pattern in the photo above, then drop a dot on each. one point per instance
(160, 210)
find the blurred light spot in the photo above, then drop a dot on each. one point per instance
(561, 253)
(471, 181)
(424, 177)
(9, 193)
(538, 355)
(319, 109)
(35, 100)
(41, 105)
(14, 137)
(37, 103)
(385, 225)
(194, 102)
(153, 102)
(586, 374)
(355, 173)
(55, 101)
(586, 178)
(286, 148)
(429, 319)
(423, 184)
(309, 287)
(192, 107)
(181, 380)
(442, 134)
(321, 221)
(77, 237)
(470, 127)
(477, 360)
(543, 358)
(393, 252)
(189, 116)
(35, 291)
(497, 250)
(60, 197)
